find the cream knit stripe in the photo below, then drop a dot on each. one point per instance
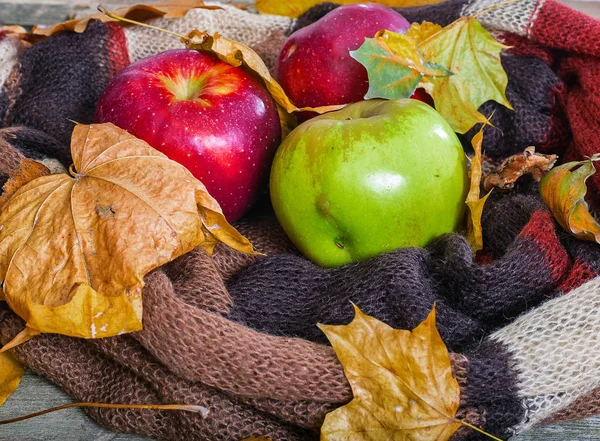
(513, 17)
(556, 349)
(265, 34)
(10, 49)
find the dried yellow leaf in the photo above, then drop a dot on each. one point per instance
(402, 383)
(474, 202)
(298, 7)
(141, 12)
(74, 249)
(563, 190)
(11, 371)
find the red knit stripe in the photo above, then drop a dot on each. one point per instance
(118, 54)
(582, 106)
(541, 229)
(580, 273)
(561, 27)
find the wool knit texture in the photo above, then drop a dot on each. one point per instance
(237, 334)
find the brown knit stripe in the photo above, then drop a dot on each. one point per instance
(208, 348)
(585, 406)
(11, 92)
(10, 157)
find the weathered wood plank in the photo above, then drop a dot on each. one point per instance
(33, 13)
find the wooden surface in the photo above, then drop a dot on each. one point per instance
(36, 393)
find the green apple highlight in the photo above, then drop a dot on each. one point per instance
(370, 178)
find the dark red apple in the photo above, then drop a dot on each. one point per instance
(215, 119)
(315, 67)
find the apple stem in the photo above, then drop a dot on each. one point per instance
(106, 12)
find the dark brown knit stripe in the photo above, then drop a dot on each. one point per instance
(61, 79)
(284, 294)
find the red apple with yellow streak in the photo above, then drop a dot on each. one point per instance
(215, 119)
(315, 67)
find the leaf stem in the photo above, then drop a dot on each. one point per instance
(106, 12)
(477, 429)
(185, 407)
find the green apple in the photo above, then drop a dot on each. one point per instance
(370, 178)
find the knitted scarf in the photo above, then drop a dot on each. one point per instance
(236, 334)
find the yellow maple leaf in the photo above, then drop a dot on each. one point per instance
(402, 383)
(74, 249)
(470, 52)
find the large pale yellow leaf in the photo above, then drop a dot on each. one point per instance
(11, 371)
(467, 50)
(139, 12)
(295, 8)
(74, 249)
(238, 54)
(474, 202)
(402, 383)
(563, 190)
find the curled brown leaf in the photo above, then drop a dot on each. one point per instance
(527, 163)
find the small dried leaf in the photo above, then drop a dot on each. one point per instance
(474, 202)
(527, 163)
(74, 249)
(141, 12)
(296, 8)
(15, 30)
(238, 54)
(11, 371)
(467, 50)
(27, 171)
(394, 65)
(402, 383)
(563, 190)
